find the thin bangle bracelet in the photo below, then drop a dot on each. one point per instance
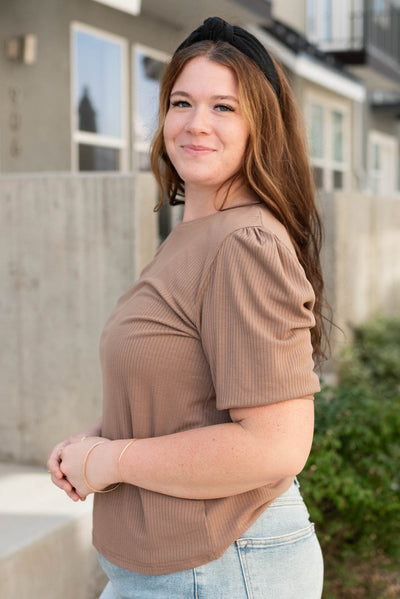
(120, 458)
(84, 471)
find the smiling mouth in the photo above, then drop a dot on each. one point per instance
(191, 149)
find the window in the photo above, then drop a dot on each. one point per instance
(326, 129)
(317, 130)
(98, 101)
(319, 20)
(148, 68)
(312, 23)
(327, 20)
(379, 7)
(381, 12)
(335, 25)
(383, 153)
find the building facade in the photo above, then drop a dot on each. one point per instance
(364, 36)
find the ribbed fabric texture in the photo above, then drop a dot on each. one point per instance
(219, 319)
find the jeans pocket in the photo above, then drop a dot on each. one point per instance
(288, 566)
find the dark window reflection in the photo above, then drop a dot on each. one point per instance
(337, 180)
(97, 158)
(98, 84)
(87, 114)
(318, 177)
(148, 72)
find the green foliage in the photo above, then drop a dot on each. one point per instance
(351, 482)
(373, 360)
(352, 479)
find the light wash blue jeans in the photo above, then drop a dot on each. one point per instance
(279, 557)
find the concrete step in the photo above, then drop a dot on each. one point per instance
(45, 539)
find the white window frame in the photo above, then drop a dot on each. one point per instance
(96, 139)
(327, 163)
(386, 177)
(156, 55)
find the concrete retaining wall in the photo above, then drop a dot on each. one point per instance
(45, 540)
(361, 258)
(70, 245)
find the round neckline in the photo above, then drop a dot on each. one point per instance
(201, 219)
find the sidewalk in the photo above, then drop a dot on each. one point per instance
(45, 539)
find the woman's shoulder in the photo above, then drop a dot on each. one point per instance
(253, 224)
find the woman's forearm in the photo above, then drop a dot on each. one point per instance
(214, 461)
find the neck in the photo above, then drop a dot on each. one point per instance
(201, 202)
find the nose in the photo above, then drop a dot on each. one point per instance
(199, 121)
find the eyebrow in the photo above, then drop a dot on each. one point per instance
(216, 97)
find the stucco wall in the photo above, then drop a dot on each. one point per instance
(35, 102)
(291, 13)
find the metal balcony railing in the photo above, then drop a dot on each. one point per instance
(376, 26)
(382, 28)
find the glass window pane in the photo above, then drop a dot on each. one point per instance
(98, 84)
(311, 18)
(379, 6)
(148, 72)
(97, 158)
(337, 136)
(327, 20)
(337, 180)
(316, 131)
(376, 157)
(318, 177)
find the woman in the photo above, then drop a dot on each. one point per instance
(207, 361)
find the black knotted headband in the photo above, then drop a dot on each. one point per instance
(216, 29)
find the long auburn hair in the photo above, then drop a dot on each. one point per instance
(275, 165)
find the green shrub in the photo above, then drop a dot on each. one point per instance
(351, 482)
(352, 478)
(373, 359)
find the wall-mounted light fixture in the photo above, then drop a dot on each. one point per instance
(22, 48)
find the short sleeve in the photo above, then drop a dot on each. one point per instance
(256, 317)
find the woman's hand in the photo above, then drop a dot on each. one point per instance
(72, 461)
(54, 462)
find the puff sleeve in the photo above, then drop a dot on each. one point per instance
(256, 317)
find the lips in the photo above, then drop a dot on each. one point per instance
(195, 150)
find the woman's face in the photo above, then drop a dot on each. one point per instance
(205, 131)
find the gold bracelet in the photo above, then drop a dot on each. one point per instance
(84, 471)
(120, 457)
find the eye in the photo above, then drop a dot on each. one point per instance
(180, 103)
(224, 108)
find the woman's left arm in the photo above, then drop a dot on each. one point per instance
(261, 445)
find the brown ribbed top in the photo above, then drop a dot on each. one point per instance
(219, 319)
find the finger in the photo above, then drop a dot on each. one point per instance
(53, 463)
(62, 483)
(66, 486)
(74, 496)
